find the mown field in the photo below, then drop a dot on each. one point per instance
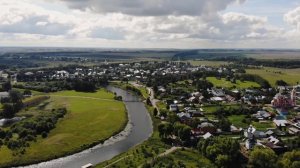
(91, 117)
(227, 84)
(237, 120)
(209, 63)
(291, 76)
(275, 55)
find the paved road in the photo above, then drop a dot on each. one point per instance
(151, 93)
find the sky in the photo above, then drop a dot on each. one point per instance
(151, 23)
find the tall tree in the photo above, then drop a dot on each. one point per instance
(16, 100)
(220, 150)
(6, 86)
(262, 158)
(290, 160)
(8, 111)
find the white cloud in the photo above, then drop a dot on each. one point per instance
(153, 7)
(117, 24)
(293, 18)
(22, 17)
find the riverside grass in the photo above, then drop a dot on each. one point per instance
(87, 122)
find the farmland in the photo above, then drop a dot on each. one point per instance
(291, 76)
(209, 63)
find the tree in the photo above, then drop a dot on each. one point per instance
(155, 111)
(168, 129)
(281, 83)
(185, 134)
(222, 150)
(161, 130)
(8, 111)
(262, 158)
(163, 113)
(84, 86)
(195, 122)
(172, 118)
(6, 86)
(290, 160)
(165, 130)
(27, 92)
(148, 101)
(223, 161)
(15, 96)
(224, 124)
(16, 100)
(5, 100)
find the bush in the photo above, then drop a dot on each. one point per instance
(44, 134)
(29, 129)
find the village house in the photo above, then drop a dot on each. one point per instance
(195, 113)
(262, 115)
(4, 95)
(184, 116)
(280, 122)
(173, 107)
(294, 129)
(274, 143)
(205, 127)
(207, 135)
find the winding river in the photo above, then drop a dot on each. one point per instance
(138, 129)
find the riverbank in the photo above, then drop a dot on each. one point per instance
(141, 152)
(140, 130)
(85, 125)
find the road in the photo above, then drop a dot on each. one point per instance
(150, 92)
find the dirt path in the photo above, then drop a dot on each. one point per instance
(165, 153)
(117, 161)
(168, 151)
(83, 97)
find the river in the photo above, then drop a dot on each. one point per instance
(138, 129)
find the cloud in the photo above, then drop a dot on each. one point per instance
(155, 23)
(153, 7)
(106, 33)
(35, 25)
(29, 19)
(293, 18)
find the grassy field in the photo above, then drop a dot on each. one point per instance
(291, 76)
(91, 117)
(227, 84)
(275, 55)
(208, 63)
(214, 108)
(236, 120)
(189, 158)
(263, 125)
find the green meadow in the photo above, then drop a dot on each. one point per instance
(91, 118)
(190, 158)
(227, 84)
(291, 76)
(237, 120)
(209, 63)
